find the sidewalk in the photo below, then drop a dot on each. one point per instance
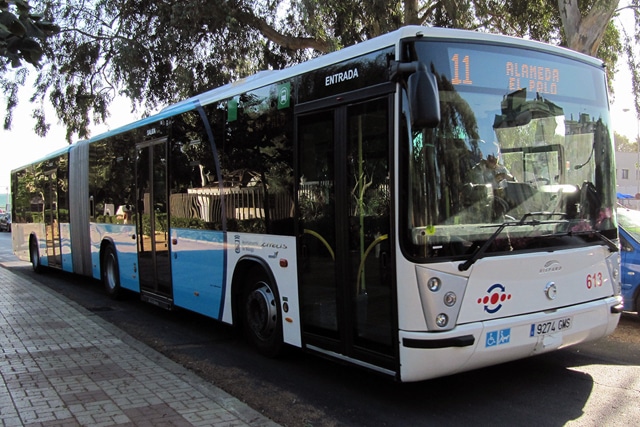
(61, 365)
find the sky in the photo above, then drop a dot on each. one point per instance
(22, 146)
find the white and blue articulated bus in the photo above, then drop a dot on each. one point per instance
(423, 203)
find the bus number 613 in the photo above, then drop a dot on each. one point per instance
(594, 280)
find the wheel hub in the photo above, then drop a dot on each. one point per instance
(262, 312)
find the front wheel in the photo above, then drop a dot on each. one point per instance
(111, 272)
(262, 317)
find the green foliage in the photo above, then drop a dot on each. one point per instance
(623, 144)
(609, 50)
(21, 33)
(630, 43)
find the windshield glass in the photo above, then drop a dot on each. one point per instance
(523, 135)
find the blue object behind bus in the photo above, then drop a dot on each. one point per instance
(629, 227)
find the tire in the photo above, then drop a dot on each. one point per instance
(638, 303)
(262, 318)
(34, 256)
(111, 272)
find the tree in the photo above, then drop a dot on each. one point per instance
(156, 52)
(20, 40)
(630, 42)
(623, 144)
(19, 34)
(584, 31)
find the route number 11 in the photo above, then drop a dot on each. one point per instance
(466, 62)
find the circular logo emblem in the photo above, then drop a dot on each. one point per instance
(551, 291)
(495, 296)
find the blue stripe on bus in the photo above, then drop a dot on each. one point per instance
(198, 267)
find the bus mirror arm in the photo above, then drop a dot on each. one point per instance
(422, 90)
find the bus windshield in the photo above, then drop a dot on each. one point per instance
(524, 139)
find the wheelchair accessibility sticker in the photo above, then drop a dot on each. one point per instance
(494, 338)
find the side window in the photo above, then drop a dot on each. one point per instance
(253, 139)
(194, 198)
(111, 179)
(257, 163)
(63, 189)
(27, 193)
(625, 245)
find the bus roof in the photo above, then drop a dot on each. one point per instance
(267, 77)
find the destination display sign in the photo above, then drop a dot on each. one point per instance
(499, 69)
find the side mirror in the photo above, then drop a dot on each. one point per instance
(422, 88)
(424, 100)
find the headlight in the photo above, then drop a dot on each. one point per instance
(434, 284)
(441, 296)
(450, 299)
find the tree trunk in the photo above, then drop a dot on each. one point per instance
(411, 12)
(584, 33)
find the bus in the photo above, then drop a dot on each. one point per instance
(351, 205)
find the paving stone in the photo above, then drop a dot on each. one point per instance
(61, 365)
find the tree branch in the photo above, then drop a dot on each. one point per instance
(288, 42)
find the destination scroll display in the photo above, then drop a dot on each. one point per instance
(545, 75)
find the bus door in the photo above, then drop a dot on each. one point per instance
(51, 219)
(347, 283)
(152, 222)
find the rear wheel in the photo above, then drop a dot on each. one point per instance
(638, 303)
(262, 317)
(34, 256)
(111, 272)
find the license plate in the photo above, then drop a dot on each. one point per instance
(550, 326)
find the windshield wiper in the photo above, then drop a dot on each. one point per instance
(613, 247)
(523, 221)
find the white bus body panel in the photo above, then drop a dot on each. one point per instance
(279, 253)
(590, 321)
(520, 283)
(20, 233)
(501, 301)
